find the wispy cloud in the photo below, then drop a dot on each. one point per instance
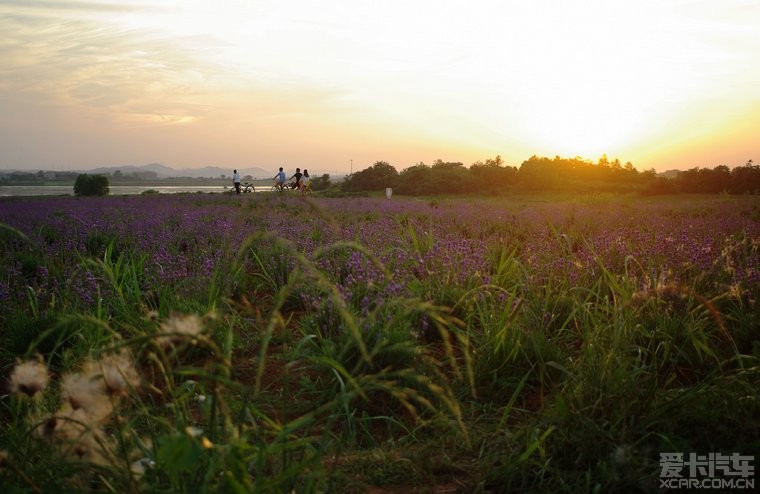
(93, 63)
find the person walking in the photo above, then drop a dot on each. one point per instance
(236, 181)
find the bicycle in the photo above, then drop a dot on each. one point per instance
(248, 188)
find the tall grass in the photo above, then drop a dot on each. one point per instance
(363, 348)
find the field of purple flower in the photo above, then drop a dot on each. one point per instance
(524, 343)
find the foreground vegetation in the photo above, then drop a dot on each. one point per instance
(214, 343)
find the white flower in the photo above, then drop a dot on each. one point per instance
(86, 392)
(138, 467)
(193, 431)
(177, 327)
(29, 378)
(72, 430)
(117, 372)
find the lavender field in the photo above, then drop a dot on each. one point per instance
(213, 343)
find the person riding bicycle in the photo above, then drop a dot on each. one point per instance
(297, 175)
(279, 179)
(304, 181)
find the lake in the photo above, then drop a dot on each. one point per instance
(54, 190)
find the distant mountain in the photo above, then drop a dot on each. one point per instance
(158, 168)
(163, 171)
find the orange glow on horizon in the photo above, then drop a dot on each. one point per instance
(188, 84)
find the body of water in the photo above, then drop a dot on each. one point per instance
(55, 190)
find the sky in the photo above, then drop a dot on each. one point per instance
(335, 86)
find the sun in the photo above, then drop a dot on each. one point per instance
(575, 121)
(581, 85)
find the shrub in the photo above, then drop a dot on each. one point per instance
(91, 185)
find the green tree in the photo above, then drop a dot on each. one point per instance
(415, 180)
(377, 177)
(539, 174)
(321, 183)
(91, 185)
(450, 178)
(721, 178)
(493, 175)
(746, 179)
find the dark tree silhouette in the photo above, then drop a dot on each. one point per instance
(377, 177)
(91, 185)
(551, 174)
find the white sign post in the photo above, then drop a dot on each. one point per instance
(388, 193)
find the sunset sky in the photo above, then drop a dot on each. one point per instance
(333, 85)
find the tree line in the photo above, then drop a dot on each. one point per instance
(36, 178)
(493, 177)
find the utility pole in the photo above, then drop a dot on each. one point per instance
(352, 168)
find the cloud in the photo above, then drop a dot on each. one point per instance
(71, 54)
